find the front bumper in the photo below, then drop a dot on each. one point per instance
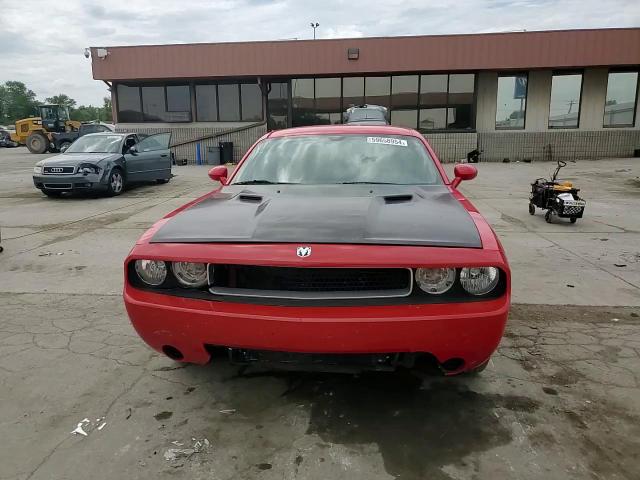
(469, 331)
(68, 183)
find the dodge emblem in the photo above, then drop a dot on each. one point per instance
(303, 251)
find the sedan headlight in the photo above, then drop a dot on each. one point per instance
(479, 280)
(435, 280)
(87, 168)
(37, 169)
(151, 272)
(190, 274)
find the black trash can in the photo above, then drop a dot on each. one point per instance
(226, 152)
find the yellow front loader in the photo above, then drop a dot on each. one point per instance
(35, 132)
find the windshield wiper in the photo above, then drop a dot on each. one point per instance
(365, 183)
(262, 182)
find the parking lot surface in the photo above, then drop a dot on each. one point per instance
(560, 399)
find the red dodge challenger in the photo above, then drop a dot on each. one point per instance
(328, 248)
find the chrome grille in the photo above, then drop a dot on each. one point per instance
(58, 170)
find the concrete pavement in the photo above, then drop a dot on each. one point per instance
(559, 400)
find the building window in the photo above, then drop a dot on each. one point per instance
(404, 92)
(302, 98)
(153, 106)
(206, 103)
(564, 107)
(511, 103)
(129, 106)
(433, 119)
(622, 95)
(377, 90)
(229, 102)
(328, 106)
(446, 101)
(404, 118)
(251, 99)
(352, 91)
(433, 89)
(178, 98)
(157, 102)
(277, 106)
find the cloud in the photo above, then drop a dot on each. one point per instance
(52, 61)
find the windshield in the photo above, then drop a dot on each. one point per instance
(96, 144)
(340, 159)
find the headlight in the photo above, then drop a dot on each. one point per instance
(190, 274)
(479, 280)
(151, 272)
(435, 280)
(37, 169)
(87, 168)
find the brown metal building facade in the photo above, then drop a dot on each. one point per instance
(513, 95)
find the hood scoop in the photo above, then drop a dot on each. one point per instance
(250, 197)
(389, 199)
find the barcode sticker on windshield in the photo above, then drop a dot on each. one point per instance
(387, 141)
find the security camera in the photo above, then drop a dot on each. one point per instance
(87, 52)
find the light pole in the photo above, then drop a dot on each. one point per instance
(314, 26)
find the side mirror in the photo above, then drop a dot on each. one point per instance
(133, 150)
(463, 171)
(219, 174)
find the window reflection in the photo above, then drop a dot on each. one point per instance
(336, 159)
(206, 103)
(277, 106)
(251, 99)
(433, 90)
(352, 91)
(404, 91)
(377, 90)
(433, 118)
(564, 107)
(461, 87)
(404, 118)
(511, 102)
(229, 102)
(178, 98)
(129, 108)
(328, 91)
(302, 97)
(620, 106)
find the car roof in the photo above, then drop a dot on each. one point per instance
(345, 130)
(111, 134)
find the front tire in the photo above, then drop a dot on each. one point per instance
(547, 216)
(37, 143)
(115, 183)
(573, 219)
(162, 181)
(532, 209)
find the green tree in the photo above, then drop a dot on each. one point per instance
(107, 113)
(86, 113)
(16, 102)
(62, 99)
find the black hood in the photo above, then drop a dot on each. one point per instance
(356, 214)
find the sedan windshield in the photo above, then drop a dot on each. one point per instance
(339, 159)
(96, 144)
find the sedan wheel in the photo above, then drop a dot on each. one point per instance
(116, 182)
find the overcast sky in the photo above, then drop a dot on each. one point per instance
(42, 43)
